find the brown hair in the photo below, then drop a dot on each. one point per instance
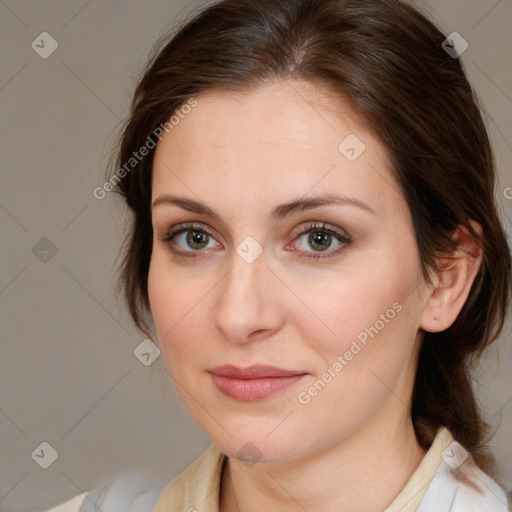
(386, 59)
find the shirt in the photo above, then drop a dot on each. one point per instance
(446, 480)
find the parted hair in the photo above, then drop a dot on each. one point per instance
(386, 59)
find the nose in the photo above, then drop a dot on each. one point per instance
(248, 307)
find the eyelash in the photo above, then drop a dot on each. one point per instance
(183, 228)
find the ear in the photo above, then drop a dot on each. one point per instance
(452, 283)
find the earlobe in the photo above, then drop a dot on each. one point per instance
(452, 284)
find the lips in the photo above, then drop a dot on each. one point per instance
(254, 382)
(256, 371)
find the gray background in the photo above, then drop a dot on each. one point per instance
(68, 373)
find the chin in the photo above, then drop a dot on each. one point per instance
(256, 441)
(260, 450)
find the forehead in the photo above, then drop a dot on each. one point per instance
(281, 137)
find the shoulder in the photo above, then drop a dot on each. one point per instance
(131, 491)
(460, 485)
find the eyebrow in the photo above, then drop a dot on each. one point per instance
(277, 213)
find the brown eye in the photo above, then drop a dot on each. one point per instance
(189, 240)
(197, 239)
(321, 238)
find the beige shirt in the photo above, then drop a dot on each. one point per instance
(197, 488)
(447, 480)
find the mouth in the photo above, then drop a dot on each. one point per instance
(255, 382)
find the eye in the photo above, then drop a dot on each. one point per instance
(191, 236)
(321, 239)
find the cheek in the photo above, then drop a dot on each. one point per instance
(369, 354)
(163, 302)
(371, 314)
(172, 292)
(352, 303)
(179, 306)
(169, 302)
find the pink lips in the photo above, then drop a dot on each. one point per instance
(253, 383)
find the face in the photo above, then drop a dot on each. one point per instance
(280, 242)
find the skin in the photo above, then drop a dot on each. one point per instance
(242, 155)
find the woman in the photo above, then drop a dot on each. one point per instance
(316, 240)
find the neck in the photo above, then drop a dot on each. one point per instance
(365, 471)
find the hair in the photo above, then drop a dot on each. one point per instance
(386, 60)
